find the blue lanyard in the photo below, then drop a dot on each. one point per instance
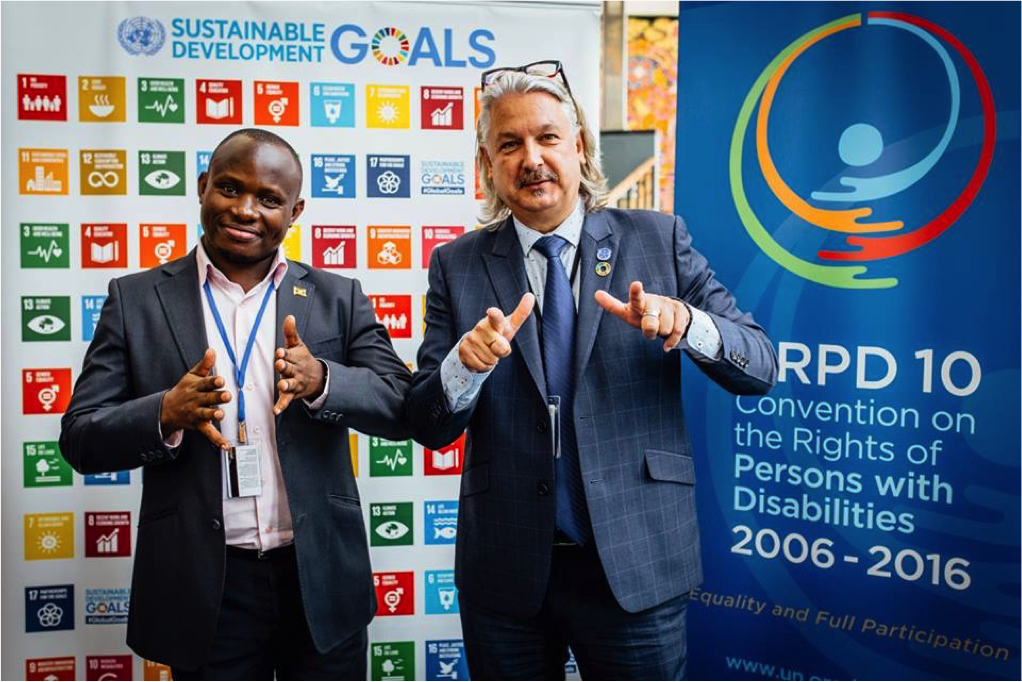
(239, 372)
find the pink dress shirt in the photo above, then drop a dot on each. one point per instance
(262, 522)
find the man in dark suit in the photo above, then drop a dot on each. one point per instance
(251, 558)
(577, 522)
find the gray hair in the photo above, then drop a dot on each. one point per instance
(593, 184)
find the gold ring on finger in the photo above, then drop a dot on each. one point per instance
(655, 312)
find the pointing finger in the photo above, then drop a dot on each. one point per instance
(613, 305)
(518, 317)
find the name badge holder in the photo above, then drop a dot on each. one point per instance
(242, 472)
(553, 406)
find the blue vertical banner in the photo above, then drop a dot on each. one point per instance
(851, 170)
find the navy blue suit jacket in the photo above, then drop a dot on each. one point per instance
(634, 451)
(150, 333)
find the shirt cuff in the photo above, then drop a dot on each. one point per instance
(318, 402)
(174, 439)
(461, 385)
(703, 337)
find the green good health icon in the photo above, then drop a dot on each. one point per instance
(161, 100)
(390, 457)
(390, 524)
(161, 173)
(45, 245)
(45, 318)
(44, 467)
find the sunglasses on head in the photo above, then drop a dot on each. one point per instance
(548, 69)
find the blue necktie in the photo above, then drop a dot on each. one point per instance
(558, 365)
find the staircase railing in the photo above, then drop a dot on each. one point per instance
(639, 189)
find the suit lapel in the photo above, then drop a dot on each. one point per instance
(294, 297)
(596, 235)
(505, 264)
(179, 294)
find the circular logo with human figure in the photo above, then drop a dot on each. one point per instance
(883, 150)
(141, 36)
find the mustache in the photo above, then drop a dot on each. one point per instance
(538, 175)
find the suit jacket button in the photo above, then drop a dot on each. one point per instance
(542, 488)
(216, 524)
(541, 426)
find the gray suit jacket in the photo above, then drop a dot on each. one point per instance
(635, 455)
(150, 333)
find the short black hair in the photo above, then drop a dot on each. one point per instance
(260, 135)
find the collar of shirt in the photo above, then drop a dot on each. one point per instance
(570, 229)
(218, 279)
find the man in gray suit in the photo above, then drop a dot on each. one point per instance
(577, 523)
(251, 558)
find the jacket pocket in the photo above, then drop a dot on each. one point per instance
(345, 501)
(149, 517)
(670, 466)
(327, 349)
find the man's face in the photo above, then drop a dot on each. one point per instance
(249, 199)
(534, 158)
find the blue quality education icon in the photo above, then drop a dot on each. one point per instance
(333, 176)
(441, 595)
(441, 522)
(387, 176)
(333, 105)
(49, 607)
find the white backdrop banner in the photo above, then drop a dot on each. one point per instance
(112, 112)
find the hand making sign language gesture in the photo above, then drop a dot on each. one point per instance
(490, 339)
(655, 315)
(194, 402)
(301, 375)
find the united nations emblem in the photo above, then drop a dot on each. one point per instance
(141, 35)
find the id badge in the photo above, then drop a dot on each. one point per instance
(241, 471)
(553, 406)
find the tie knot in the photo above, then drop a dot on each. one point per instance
(552, 246)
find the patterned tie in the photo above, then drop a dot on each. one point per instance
(558, 364)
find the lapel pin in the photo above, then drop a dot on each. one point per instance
(603, 268)
(299, 291)
(603, 254)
